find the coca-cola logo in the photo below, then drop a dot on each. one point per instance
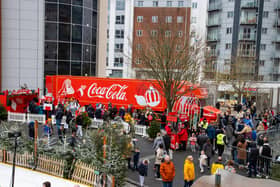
(113, 92)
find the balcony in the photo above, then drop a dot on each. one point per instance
(247, 53)
(277, 39)
(247, 36)
(214, 22)
(118, 65)
(214, 6)
(277, 6)
(248, 21)
(213, 38)
(277, 23)
(214, 53)
(249, 4)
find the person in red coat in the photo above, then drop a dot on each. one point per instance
(168, 129)
(183, 138)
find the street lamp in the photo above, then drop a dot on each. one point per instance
(14, 135)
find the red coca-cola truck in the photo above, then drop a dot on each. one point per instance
(119, 92)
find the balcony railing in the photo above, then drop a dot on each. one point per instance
(249, 3)
(247, 36)
(213, 38)
(248, 21)
(277, 6)
(247, 53)
(277, 39)
(214, 53)
(118, 64)
(214, 6)
(214, 22)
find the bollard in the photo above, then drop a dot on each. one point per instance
(218, 180)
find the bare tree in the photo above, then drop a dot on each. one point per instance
(166, 54)
(240, 74)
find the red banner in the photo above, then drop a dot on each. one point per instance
(120, 92)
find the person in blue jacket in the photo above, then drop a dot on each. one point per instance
(211, 133)
(143, 171)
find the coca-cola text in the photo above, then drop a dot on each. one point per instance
(113, 92)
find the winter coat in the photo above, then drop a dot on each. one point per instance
(211, 132)
(167, 141)
(183, 135)
(189, 173)
(143, 169)
(167, 171)
(168, 130)
(208, 149)
(157, 142)
(215, 166)
(241, 151)
(253, 154)
(159, 156)
(201, 139)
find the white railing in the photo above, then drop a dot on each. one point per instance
(13, 116)
(41, 118)
(141, 130)
(53, 120)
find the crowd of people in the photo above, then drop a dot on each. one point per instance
(243, 133)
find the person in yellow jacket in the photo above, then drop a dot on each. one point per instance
(204, 124)
(189, 173)
(217, 165)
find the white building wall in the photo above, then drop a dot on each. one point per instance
(22, 43)
(126, 41)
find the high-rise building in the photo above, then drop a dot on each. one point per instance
(247, 29)
(51, 37)
(150, 13)
(119, 33)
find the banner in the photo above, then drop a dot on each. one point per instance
(119, 92)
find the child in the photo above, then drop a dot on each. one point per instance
(136, 157)
(202, 161)
(193, 142)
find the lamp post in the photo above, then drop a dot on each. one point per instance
(14, 135)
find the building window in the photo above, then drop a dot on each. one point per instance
(167, 33)
(153, 32)
(193, 20)
(180, 3)
(120, 19)
(194, 5)
(229, 30)
(155, 3)
(230, 0)
(180, 34)
(140, 3)
(180, 19)
(119, 34)
(228, 46)
(139, 33)
(154, 19)
(138, 47)
(169, 3)
(261, 77)
(265, 14)
(137, 61)
(264, 30)
(263, 47)
(262, 62)
(178, 47)
(139, 19)
(120, 5)
(168, 19)
(118, 62)
(230, 14)
(118, 48)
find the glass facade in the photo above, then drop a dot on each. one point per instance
(70, 37)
